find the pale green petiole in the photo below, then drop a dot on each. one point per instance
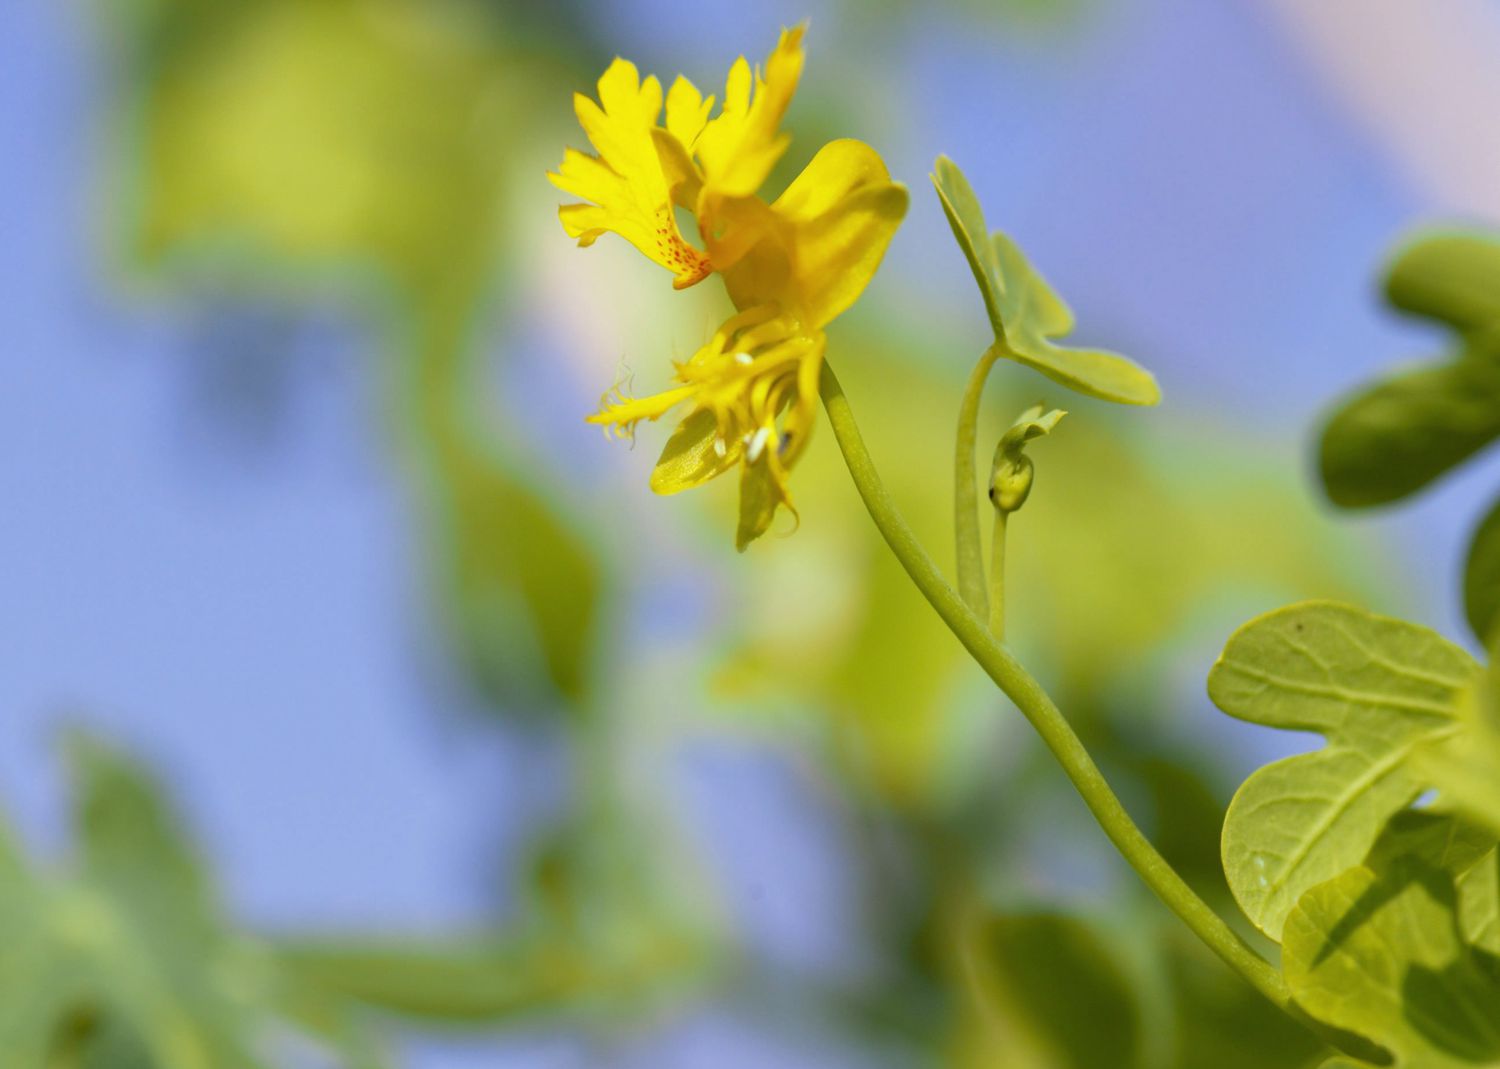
(969, 549)
(997, 576)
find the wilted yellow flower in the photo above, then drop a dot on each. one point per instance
(789, 266)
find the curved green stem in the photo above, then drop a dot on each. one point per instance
(970, 552)
(1043, 715)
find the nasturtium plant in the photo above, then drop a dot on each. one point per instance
(1379, 690)
(1024, 311)
(1389, 440)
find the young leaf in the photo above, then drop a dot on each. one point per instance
(1453, 278)
(1379, 690)
(1024, 311)
(1380, 954)
(1392, 439)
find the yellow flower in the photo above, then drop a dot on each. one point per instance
(789, 266)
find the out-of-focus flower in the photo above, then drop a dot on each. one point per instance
(790, 266)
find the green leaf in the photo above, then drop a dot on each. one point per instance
(1381, 955)
(1465, 851)
(1024, 311)
(1466, 766)
(1482, 577)
(1438, 840)
(130, 843)
(523, 583)
(1379, 690)
(1033, 423)
(1392, 439)
(1453, 278)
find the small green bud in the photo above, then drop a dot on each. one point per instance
(1011, 472)
(1010, 482)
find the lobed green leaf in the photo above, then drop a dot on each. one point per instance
(1379, 690)
(1025, 313)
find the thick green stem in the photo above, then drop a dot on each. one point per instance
(970, 546)
(997, 576)
(1043, 715)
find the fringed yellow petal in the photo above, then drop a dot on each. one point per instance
(687, 112)
(738, 147)
(629, 192)
(621, 414)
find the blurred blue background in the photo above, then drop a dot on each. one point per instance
(208, 554)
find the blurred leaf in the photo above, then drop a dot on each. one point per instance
(1378, 689)
(1394, 438)
(128, 963)
(596, 931)
(482, 981)
(1221, 1022)
(321, 132)
(1453, 278)
(1482, 577)
(1380, 954)
(1066, 986)
(1024, 311)
(522, 582)
(1059, 979)
(130, 844)
(1186, 820)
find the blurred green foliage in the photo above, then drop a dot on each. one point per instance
(124, 958)
(1388, 441)
(303, 149)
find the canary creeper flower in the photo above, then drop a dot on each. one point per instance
(790, 266)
